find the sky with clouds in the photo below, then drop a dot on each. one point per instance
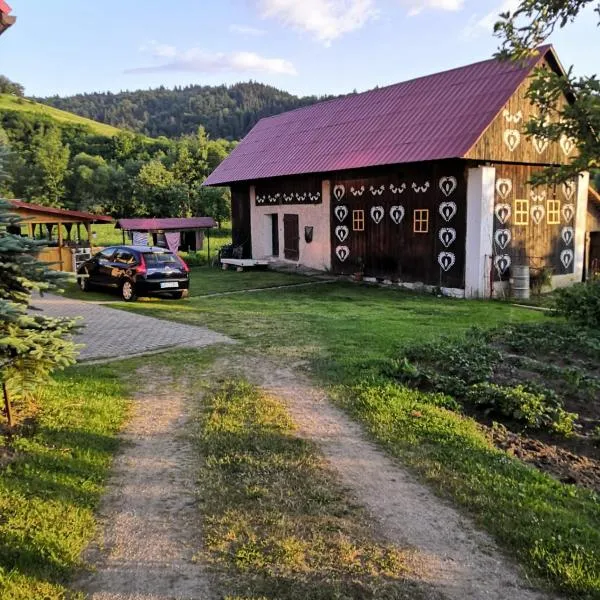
(304, 46)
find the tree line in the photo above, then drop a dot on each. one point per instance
(66, 165)
(227, 112)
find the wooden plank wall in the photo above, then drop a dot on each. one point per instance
(539, 243)
(241, 231)
(388, 247)
(505, 138)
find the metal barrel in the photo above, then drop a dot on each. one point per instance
(520, 282)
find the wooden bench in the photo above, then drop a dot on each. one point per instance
(242, 263)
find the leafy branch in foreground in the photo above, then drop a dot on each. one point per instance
(522, 32)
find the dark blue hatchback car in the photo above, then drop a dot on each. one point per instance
(136, 271)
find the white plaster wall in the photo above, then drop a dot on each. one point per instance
(480, 231)
(317, 254)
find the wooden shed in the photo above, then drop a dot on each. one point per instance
(420, 183)
(68, 232)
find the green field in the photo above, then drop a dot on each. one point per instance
(14, 103)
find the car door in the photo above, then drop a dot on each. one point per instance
(122, 264)
(98, 268)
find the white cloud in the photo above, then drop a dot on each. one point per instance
(196, 60)
(246, 30)
(478, 25)
(418, 6)
(326, 20)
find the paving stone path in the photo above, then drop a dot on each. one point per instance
(110, 333)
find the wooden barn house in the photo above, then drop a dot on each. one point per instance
(421, 183)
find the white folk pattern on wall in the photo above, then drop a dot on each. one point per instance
(342, 233)
(342, 252)
(301, 198)
(421, 189)
(446, 260)
(447, 236)
(566, 258)
(377, 214)
(503, 212)
(512, 139)
(397, 214)
(567, 144)
(537, 198)
(504, 188)
(567, 234)
(357, 192)
(538, 212)
(339, 191)
(568, 189)
(377, 191)
(398, 190)
(448, 185)
(568, 212)
(502, 263)
(341, 212)
(540, 144)
(448, 211)
(510, 118)
(503, 238)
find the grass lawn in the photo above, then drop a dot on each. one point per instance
(52, 481)
(276, 522)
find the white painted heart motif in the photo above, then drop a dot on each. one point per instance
(342, 233)
(503, 237)
(538, 212)
(502, 263)
(342, 252)
(568, 188)
(567, 144)
(448, 211)
(568, 212)
(540, 144)
(446, 260)
(341, 212)
(566, 258)
(339, 191)
(448, 185)
(504, 188)
(447, 236)
(503, 212)
(567, 234)
(377, 214)
(397, 214)
(512, 139)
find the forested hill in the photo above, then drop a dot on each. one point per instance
(225, 112)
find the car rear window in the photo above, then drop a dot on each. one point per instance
(155, 259)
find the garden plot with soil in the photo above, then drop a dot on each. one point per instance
(535, 388)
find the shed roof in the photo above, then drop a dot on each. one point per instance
(430, 118)
(58, 212)
(167, 224)
(6, 19)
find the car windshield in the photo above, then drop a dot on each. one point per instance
(156, 259)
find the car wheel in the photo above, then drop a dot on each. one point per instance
(177, 295)
(84, 282)
(128, 291)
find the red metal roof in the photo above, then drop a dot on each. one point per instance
(38, 208)
(430, 118)
(4, 8)
(168, 224)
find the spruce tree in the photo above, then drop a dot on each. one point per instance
(32, 345)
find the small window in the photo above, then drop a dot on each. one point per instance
(358, 220)
(521, 212)
(553, 212)
(421, 220)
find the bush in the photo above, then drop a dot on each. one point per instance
(535, 410)
(581, 303)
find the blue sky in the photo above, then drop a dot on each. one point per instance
(304, 46)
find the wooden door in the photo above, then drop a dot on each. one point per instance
(291, 237)
(275, 234)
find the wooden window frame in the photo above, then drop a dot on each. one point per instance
(553, 209)
(421, 220)
(521, 212)
(358, 220)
